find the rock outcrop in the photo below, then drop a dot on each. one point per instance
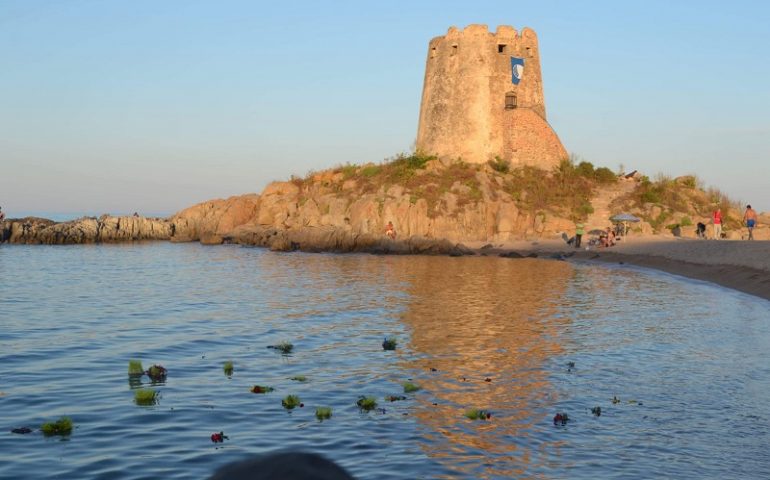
(210, 221)
(105, 229)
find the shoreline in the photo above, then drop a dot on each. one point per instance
(736, 264)
(740, 265)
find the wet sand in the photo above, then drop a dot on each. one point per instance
(737, 264)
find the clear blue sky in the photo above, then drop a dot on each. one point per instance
(116, 106)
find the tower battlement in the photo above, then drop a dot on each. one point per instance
(483, 97)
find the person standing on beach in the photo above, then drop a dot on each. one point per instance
(579, 232)
(750, 219)
(2, 215)
(717, 219)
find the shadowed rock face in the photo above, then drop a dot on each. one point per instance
(105, 229)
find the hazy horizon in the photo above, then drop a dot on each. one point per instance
(153, 107)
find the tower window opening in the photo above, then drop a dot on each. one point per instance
(433, 52)
(510, 101)
(454, 49)
(501, 48)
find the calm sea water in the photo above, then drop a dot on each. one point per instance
(687, 360)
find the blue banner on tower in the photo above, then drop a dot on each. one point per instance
(517, 69)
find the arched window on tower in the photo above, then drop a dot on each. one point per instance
(510, 101)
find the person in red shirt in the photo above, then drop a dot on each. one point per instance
(717, 218)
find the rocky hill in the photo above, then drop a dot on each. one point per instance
(433, 205)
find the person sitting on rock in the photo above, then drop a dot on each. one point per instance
(2, 215)
(390, 231)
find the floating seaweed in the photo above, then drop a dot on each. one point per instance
(157, 373)
(219, 437)
(228, 368)
(283, 347)
(366, 403)
(597, 411)
(615, 400)
(323, 413)
(21, 430)
(291, 401)
(478, 414)
(62, 426)
(394, 398)
(389, 343)
(135, 368)
(560, 419)
(145, 396)
(299, 378)
(261, 389)
(410, 387)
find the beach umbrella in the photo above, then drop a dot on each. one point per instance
(625, 217)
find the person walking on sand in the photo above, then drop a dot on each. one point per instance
(750, 219)
(579, 232)
(717, 219)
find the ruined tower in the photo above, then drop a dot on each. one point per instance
(483, 98)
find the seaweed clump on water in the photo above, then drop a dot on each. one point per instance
(410, 387)
(560, 419)
(135, 368)
(323, 413)
(145, 396)
(478, 414)
(157, 373)
(228, 368)
(261, 389)
(283, 347)
(299, 378)
(62, 426)
(389, 343)
(366, 403)
(290, 402)
(394, 398)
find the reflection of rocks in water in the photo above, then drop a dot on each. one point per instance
(478, 320)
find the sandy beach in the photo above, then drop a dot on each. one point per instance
(741, 265)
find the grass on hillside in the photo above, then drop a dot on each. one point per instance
(564, 191)
(683, 195)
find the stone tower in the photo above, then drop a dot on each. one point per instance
(483, 97)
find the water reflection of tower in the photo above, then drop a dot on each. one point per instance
(483, 318)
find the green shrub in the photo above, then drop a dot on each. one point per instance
(650, 196)
(604, 175)
(370, 171)
(686, 221)
(585, 169)
(500, 165)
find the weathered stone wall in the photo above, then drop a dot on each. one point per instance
(463, 114)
